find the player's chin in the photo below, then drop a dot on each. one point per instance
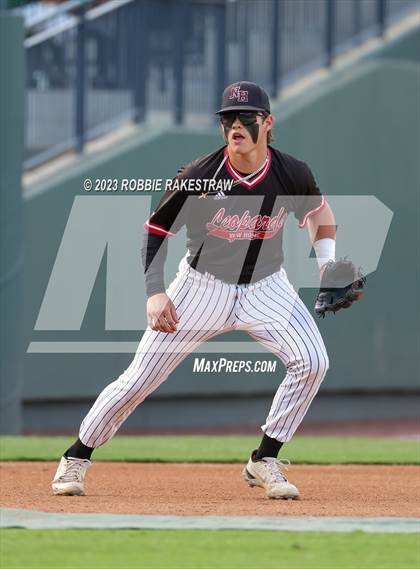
(242, 146)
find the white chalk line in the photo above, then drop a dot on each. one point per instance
(28, 519)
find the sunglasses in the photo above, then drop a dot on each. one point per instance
(246, 118)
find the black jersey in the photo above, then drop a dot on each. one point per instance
(236, 235)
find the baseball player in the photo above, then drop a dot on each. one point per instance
(234, 203)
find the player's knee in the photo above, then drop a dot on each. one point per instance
(317, 365)
(136, 374)
(126, 386)
(324, 363)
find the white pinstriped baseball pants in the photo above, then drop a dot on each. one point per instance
(269, 310)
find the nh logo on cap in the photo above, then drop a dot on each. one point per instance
(240, 96)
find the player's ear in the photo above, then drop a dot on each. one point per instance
(269, 121)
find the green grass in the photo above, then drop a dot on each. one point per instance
(303, 450)
(148, 549)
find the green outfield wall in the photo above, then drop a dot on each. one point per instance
(12, 73)
(359, 131)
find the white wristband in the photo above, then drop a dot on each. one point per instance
(324, 250)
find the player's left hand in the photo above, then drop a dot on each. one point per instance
(341, 285)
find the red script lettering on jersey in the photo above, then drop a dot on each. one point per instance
(233, 227)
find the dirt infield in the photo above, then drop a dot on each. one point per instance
(216, 489)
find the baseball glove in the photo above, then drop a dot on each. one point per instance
(341, 284)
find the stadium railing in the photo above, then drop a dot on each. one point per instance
(103, 65)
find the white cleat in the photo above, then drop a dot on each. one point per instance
(268, 473)
(69, 480)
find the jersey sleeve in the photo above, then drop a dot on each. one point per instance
(153, 254)
(170, 214)
(308, 199)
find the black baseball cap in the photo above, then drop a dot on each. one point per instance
(244, 96)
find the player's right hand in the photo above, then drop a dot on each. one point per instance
(161, 313)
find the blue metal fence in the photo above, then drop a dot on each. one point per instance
(167, 60)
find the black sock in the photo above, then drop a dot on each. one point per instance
(79, 450)
(268, 447)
